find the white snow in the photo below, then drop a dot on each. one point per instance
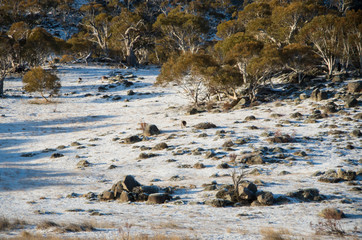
(41, 183)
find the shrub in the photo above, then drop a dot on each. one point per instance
(42, 81)
(331, 213)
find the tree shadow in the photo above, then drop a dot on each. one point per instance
(14, 177)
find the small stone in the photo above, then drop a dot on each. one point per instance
(151, 130)
(265, 198)
(199, 165)
(205, 125)
(160, 146)
(56, 155)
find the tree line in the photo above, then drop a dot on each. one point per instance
(223, 48)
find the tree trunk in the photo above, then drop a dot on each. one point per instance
(2, 87)
(131, 58)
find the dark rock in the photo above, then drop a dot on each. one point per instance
(246, 194)
(223, 166)
(249, 185)
(130, 92)
(209, 154)
(132, 139)
(306, 195)
(250, 118)
(56, 155)
(160, 146)
(151, 130)
(205, 125)
(265, 198)
(158, 198)
(251, 159)
(219, 203)
(192, 111)
(146, 155)
(228, 144)
(129, 183)
(356, 133)
(296, 115)
(351, 102)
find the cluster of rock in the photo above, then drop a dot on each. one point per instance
(245, 194)
(130, 190)
(148, 130)
(333, 176)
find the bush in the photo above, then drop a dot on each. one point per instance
(42, 81)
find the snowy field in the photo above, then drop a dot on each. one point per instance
(35, 187)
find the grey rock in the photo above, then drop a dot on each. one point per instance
(129, 183)
(205, 125)
(158, 198)
(265, 198)
(151, 130)
(354, 87)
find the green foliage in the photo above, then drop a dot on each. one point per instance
(42, 81)
(192, 73)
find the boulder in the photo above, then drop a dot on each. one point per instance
(151, 130)
(158, 198)
(125, 197)
(354, 87)
(246, 194)
(306, 195)
(318, 95)
(83, 163)
(265, 198)
(205, 125)
(132, 139)
(351, 102)
(160, 146)
(129, 183)
(346, 175)
(250, 118)
(250, 159)
(249, 185)
(108, 195)
(356, 133)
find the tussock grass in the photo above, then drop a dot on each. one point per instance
(6, 224)
(42, 101)
(269, 233)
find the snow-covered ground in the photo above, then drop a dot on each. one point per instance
(34, 187)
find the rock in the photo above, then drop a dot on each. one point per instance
(280, 139)
(129, 183)
(160, 146)
(354, 87)
(296, 115)
(223, 166)
(146, 190)
(346, 175)
(209, 154)
(56, 155)
(205, 125)
(250, 159)
(108, 195)
(158, 198)
(75, 144)
(356, 133)
(83, 164)
(242, 103)
(151, 130)
(146, 155)
(330, 107)
(318, 95)
(125, 197)
(265, 198)
(351, 102)
(219, 203)
(250, 118)
(250, 186)
(246, 194)
(192, 111)
(199, 165)
(132, 139)
(130, 92)
(358, 116)
(228, 144)
(306, 195)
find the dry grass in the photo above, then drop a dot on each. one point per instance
(42, 101)
(6, 224)
(46, 225)
(28, 236)
(331, 213)
(274, 234)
